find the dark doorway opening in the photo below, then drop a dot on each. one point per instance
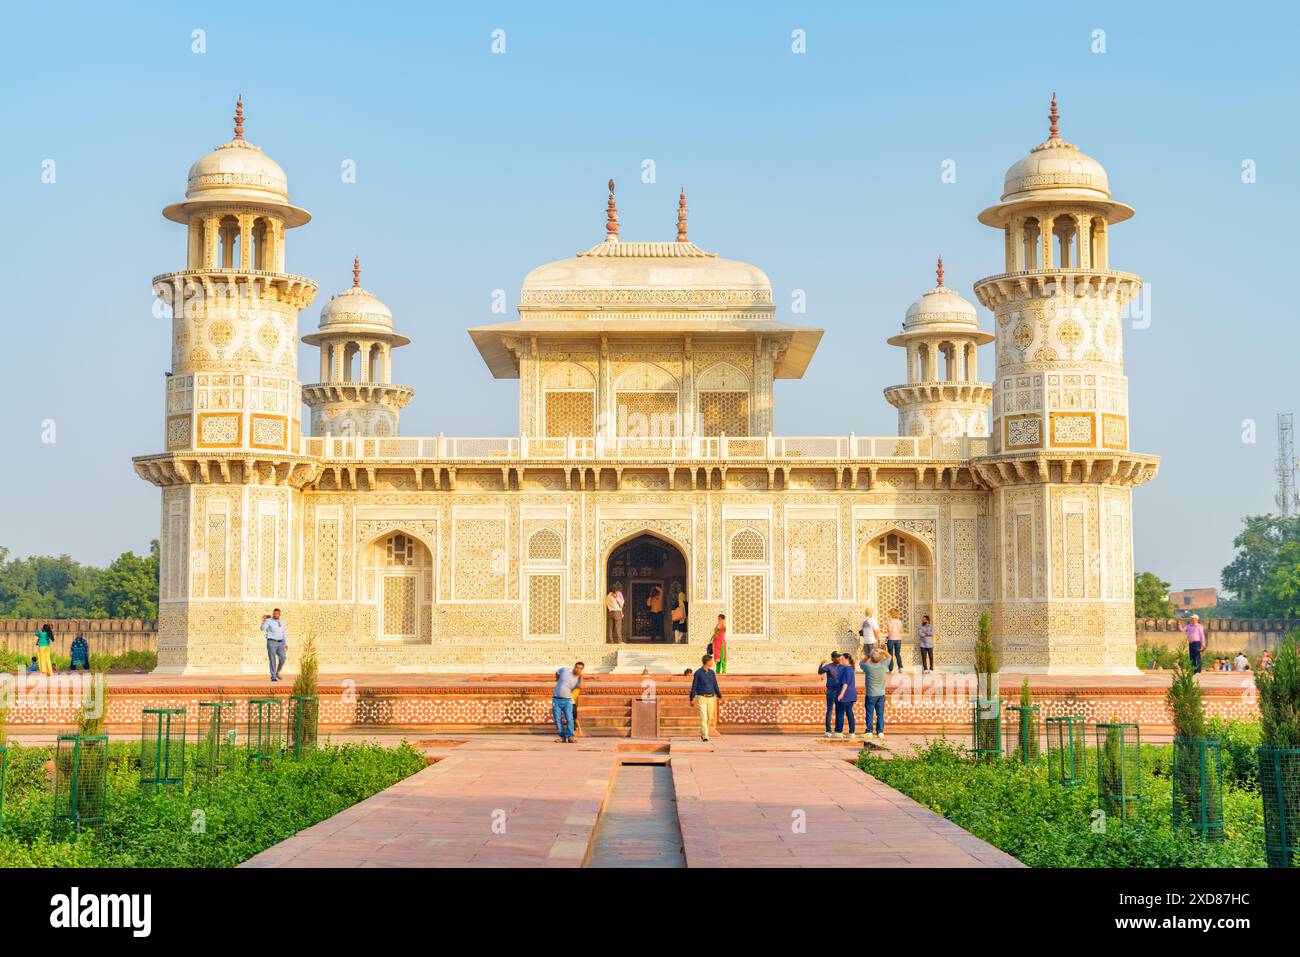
(641, 565)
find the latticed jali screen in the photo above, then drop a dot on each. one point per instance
(544, 597)
(570, 413)
(399, 606)
(647, 414)
(724, 413)
(895, 592)
(747, 605)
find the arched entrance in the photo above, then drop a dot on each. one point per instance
(895, 572)
(399, 580)
(639, 565)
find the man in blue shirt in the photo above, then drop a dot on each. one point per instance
(832, 673)
(277, 642)
(566, 679)
(847, 697)
(705, 694)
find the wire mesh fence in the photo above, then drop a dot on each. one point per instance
(1023, 741)
(1119, 770)
(1198, 787)
(215, 733)
(1279, 782)
(4, 768)
(1067, 758)
(265, 729)
(80, 782)
(986, 730)
(303, 724)
(162, 746)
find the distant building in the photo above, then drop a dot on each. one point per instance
(1190, 598)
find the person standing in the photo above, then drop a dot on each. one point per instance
(869, 630)
(718, 644)
(655, 605)
(277, 642)
(680, 612)
(44, 648)
(80, 654)
(614, 612)
(567, 681)
(1195, 642)
(847, 697)
(926, 635)
(832, 672)
(877, 672)
(894, 639)
(705, 695)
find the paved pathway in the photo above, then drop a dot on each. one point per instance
(743, 800)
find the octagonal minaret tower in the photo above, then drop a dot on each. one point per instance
(1061, 473)
(943, 395)
(356, 395)
(231, 474)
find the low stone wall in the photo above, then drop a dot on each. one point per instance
(105, 635)
(1254, 636)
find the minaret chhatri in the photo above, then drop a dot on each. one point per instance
(355, 394)
(231, 472)
(942, 395)
(1060, 469)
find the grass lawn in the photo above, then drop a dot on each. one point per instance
(242, 812)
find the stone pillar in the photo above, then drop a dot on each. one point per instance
(245, 242)
(211, 242)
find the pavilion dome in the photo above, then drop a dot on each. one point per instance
(940, 310)
(355, 311)
(237, 173)
(1055, 171)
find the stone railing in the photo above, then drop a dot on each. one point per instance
(112, 636)
(686, 448)
(1251, 635)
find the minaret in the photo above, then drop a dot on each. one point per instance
(231, 473)
(942, 395)
(1061, 474)
(355, 395)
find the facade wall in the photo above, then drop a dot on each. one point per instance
(515, 580)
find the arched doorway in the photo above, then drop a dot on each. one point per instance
(639, 565)
(399, 580)
(895, 571)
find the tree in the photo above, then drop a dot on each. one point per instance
(1258, 546)
(59, 588)
(1151, 596)
(128, 588)
(1279, 593)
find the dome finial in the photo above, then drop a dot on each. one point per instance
(938, 272)
(1054, 129)
(611, 215)
(681, 217)
(239, 117)
(356, 272)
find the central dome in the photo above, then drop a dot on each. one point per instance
(653, 275)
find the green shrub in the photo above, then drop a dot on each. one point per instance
(1239, 740)
(986, 661)
(240, 813)
(1017, 808)
(1162, 656)
(1279, 698)
(1185, 701)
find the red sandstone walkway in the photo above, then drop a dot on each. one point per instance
(741, 801)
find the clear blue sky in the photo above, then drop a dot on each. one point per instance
(822, 168)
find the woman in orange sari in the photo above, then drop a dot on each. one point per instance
(719, 644)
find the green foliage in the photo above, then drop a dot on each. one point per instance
(1185, 701)
(1263, 575)
(241, 812)
(986, 662)
(1017, 808)
(59, 588)
(1279, 697)
(1239, 740)
(1026, 699)
(12, 661)
(306, 681)
(1151, 596)
(1163, 657)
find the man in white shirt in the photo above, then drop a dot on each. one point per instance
(614, 611)
(277, 642)
(1241, 662)
(869, 630)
